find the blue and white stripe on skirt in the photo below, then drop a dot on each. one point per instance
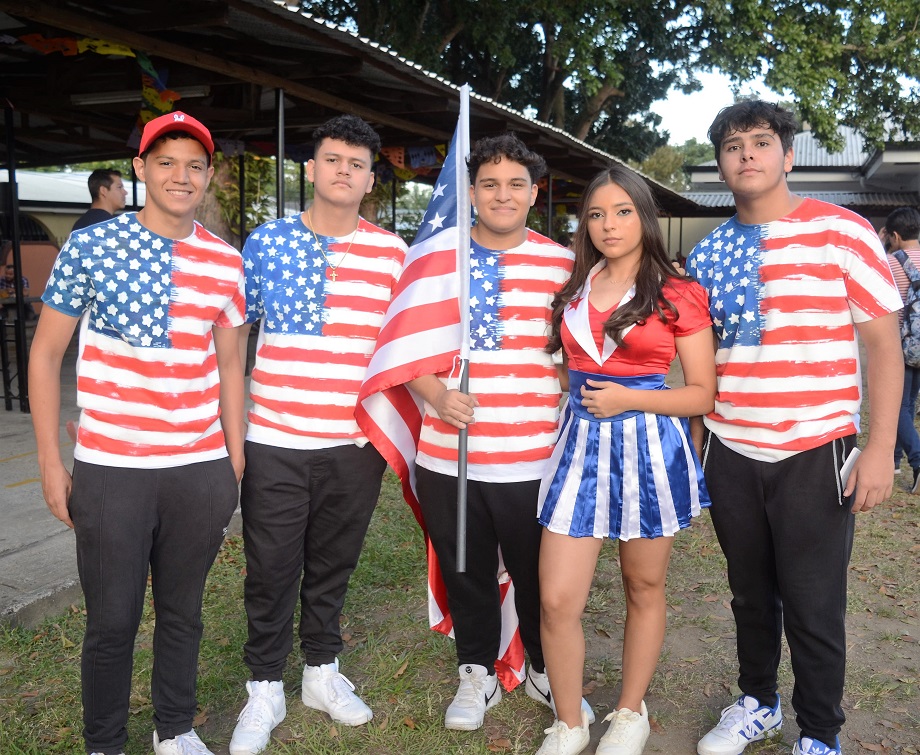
(628, 476)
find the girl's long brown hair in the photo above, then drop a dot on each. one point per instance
(655, 267)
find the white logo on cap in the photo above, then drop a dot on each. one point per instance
(178, 117)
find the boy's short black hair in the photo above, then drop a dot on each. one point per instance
(904, 221)
(349, 129)
(748, 114)
(492, 149)
(99, 178)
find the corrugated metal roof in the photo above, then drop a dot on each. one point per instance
(842, 198)
(810, 154)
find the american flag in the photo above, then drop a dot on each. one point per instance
(422, 335)
(147, 376)
(784, 297)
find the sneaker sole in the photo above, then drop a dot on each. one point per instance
(315, 705)
(638, 751)
(775, 732)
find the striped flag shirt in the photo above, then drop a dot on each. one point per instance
(784, 298)
(147, 378)
(317, 334)
(515, 380)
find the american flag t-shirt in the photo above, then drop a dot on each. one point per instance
(785, 297)
(514, 379)
(317, 334)
(147, 379)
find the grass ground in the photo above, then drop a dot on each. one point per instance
(408, 674)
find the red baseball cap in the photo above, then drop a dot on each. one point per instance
(177, 121)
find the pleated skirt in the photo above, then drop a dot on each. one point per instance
(633, 475)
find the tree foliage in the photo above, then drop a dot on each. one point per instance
(668, 164)
(594, 67)
(844, 62)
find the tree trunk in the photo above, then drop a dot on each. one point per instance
(593, 109)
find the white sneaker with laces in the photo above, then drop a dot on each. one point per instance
(325, 689)
(184, 744)
(742, 722)
(561, 740)
(537, 687)
(627, 734)
(265, 709)
(478, 691)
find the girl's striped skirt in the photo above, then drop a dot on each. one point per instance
(628, 476)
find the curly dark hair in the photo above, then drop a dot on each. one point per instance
(349, 129)
(748, 114)
(655, 268)
(494, 148)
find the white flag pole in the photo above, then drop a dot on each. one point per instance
(464, 212)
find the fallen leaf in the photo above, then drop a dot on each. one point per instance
(402, 669)
(409, 721)
(201, 718)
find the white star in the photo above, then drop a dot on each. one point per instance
(437, 221)
(438, 191)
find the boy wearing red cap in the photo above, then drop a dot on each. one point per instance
(159, 451)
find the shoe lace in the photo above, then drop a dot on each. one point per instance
(257, 712)
(470, 691)
(341, 688)
(190, 744)
(738, 718)
(557, 732)
(620, 729)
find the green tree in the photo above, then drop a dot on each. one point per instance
(669, 164)
(593, 67)
(843, 62)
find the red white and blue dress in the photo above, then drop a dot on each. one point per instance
(635, 474)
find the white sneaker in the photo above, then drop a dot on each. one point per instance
(627, 734)
(743, 722)
(537, 687)
(184, 744)
(264, 711)
(325, 689)
(561, 740)
(478, 691)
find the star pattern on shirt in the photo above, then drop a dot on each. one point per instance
(123, 273)
(486, 325)
(286, 277)
(727, 263)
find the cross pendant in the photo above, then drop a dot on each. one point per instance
(332, 275)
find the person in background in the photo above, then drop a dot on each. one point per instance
(900, 233)
(108, 194)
